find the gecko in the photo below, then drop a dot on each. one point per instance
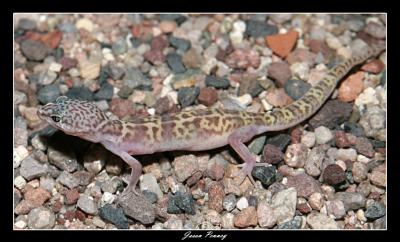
(194, 130)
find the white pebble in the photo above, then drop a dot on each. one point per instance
(300, 70)
(56, 67)
(20, 224)
(107, 198)
(345, 52)
(19, 182)
(308, 139)
(368, 96)
(151, 111)
(363, 159)
(242, 203)
(85, 23)
(323, 135)
(266, 105)
(341, 164)
(20, 153)
(360, 215)
(245, 99)
(333, 42)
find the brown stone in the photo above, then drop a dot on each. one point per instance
(282, 44)
(208, 96)
(375, 66)
(246, 218)
(216, 196)
(351, 87)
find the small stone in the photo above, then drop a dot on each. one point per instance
(216, 196)
(107, 198)
(219, 83)
(334, 174)
(89, 70)
(316, 201)
(72, 196)
(87, 204)
(229, 202)
(279, 71)
(26, 24)
(246, 218)
(242, 203)
(378, 176)
(227, 221)
(266, 174)
(31, 168)
(188, 95)
(243, 58)
(375, 67)
(119, 47)
(303, 207)
(83, 177)
(265, 215)
(85, 23)
(346, 154)
(351, 87)
(137, 207)
(67, 179)
(68, 63)
(278, 98)
(65, 161)
(335, 208)
(19, 182)
(114, 215)
(282, 44)
(47, 77)
(134, 79)
(376, 30)
(308, 139)
(341, 139)
(321, 221)
(192, 59)
(375, 211)
(185, 166)
(81, 93)
(34, 50)
(213, 217)
(48, 93)
(150, 196)
(180, 44)
(174, 62)
(258, 29)
(296, 88)
(106, 92)
(323, 135)
(331, 114)
(148, 182)
(167, 26)
(284, 204)
(296, 155)
(41, 218)
(112, 185)
(208, 96)
(272, 154)
(364, 147)
(181, 203)
(304, 184)
(351, 200)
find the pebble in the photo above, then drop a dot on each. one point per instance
(216, 82)
(266, 174)
(316, 201)
(174, 62)
(83, 177)
(89, 70)
(246, 218)
(296, 155)
(26, 24)
(114, 215)
(173, 223)
(265, 214)
(278, 98)
(227, 221)
(301, 56)
(20, 153)
(137, 207)
(19, 182)
(149, 182)
(323, 135)
(332, 114)
(134, 79)
(180, 44)
(304, 184)
(31, 168)
(279, 71)
(192, 59)
(296, 88)
(351, 200)
(335, 208)
(229, 202)
(378, 176)
(72, 196)
(258, 29)
(242, 203)
(308, 139)
(334, 174)
(346, 154)
(65, 160)
(236, 35)
(243, 58)
(375, 66)
(351, 87)
(185, 166)
(375, 211)
(376, 30)
(341, 139)
(41, 218)
(208, 96)
(213, 217)
(106, 92)
(353, 128)
(81, 93)
(94, 159)
(34, 50)
(281, 141)
(47, 77)
(364, 147)
(216, 196)
(272, 154)
(282, 44)
(284, 204)
(181, 203)
(67, 179)
(112, 185)
(84, 23)
(321, 221)
(188, 95)
(48, 93)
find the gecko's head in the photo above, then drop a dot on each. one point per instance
(74, 117)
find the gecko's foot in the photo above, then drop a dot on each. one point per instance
(246, 171)
(131, 188)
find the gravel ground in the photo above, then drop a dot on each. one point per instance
(326, 173)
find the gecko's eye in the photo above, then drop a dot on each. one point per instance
(56, 118)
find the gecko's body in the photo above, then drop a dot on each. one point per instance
(190, 130)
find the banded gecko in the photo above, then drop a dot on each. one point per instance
(193, 130)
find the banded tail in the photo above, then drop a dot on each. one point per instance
(315, 97)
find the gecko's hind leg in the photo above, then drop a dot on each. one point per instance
(236, 141)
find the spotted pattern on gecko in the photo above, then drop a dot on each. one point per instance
(193, 130)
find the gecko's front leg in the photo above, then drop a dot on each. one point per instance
(131, 161)
(236, 141)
